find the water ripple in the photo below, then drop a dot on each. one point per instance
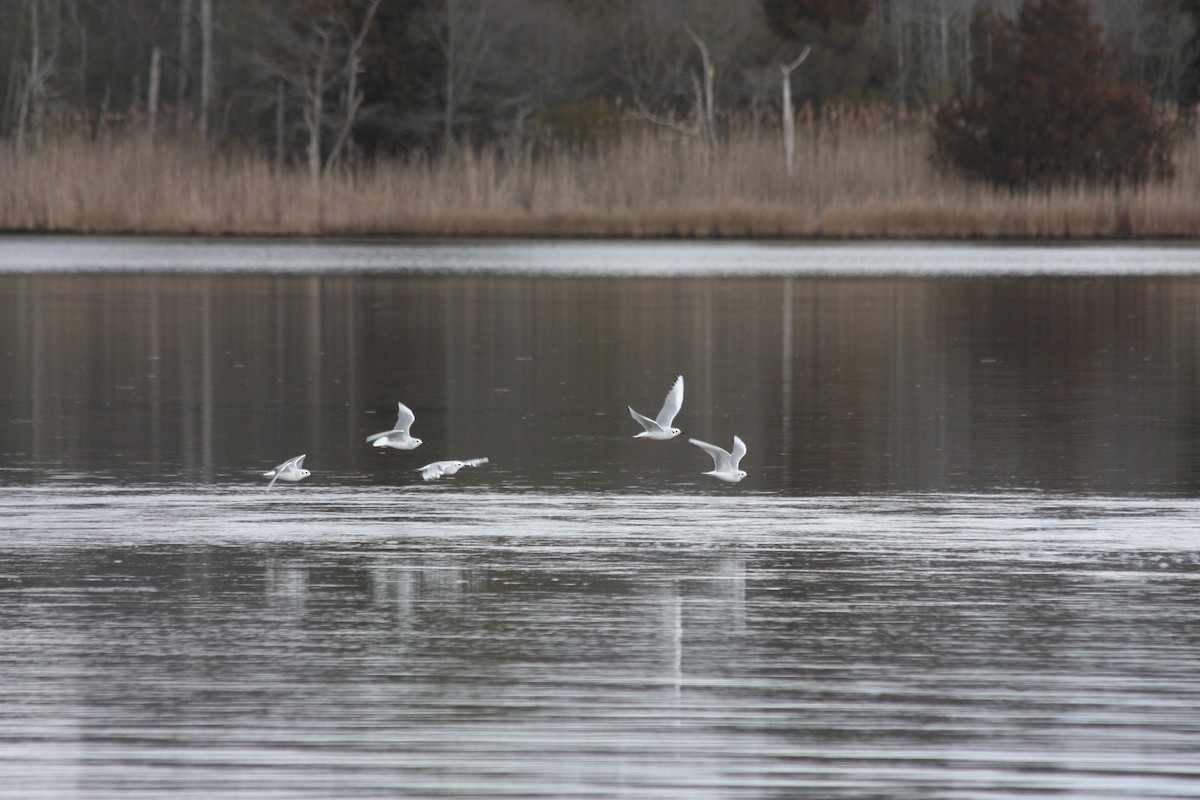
(222, 641)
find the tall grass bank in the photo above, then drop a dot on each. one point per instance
(864, 175)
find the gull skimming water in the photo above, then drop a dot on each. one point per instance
(398, 438)
(290, 470)
(725, 464)
(431, 472)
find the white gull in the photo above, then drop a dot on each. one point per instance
(290, 470)
(660, 428)
(398, 437)
(725, 464)
(431, 472)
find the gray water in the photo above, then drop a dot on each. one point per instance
(963, 564)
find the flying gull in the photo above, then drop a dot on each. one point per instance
(725, 465)
(660, 428)
(290, 470)
(397, 438)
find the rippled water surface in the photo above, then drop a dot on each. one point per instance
(964, 563)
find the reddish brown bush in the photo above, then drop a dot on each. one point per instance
(1046, 109)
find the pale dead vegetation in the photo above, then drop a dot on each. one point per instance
(864, 175)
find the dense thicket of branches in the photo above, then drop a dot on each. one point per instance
(1046, 108)
(323, 82)
(1189, 64)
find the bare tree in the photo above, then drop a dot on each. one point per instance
(319, 59)
(353, 96)
(701, 123)
(647, 56)
(461, 31)
(41, 67)
(34, 79)
(533, 63)
(789, 114)
(931, 45)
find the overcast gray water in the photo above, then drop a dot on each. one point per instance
(964, 563)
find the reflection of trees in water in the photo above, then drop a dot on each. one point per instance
(668, 608)
(836, 384)
(287, 584)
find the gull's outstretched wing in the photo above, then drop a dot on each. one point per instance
(295, 463)
(645, 422)
(671, 405)
(739, 450)
(431, 472)
(404, 418)
(720, 457)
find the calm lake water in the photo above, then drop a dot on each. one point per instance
(964, 563)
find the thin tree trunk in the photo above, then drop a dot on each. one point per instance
(943, 45)
(185, 59)
(10, 90)
(789, 125)
(706, 110)
(789, 114)
(81, 33)
(314, 118)
(279, 99)
(102, 117)
(451, 63)
(314, 113)
(899, 47)
(206, 65)
(152, 93)
(353, 101)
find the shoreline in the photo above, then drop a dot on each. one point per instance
(50, 256)
(385, 237)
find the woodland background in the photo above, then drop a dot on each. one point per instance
(542, 117)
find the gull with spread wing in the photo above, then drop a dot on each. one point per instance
(431, 472)
(290, 470)
(397, 438)
(660, 428)
(725, 465)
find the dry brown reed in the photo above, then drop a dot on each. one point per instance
(857, 175)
